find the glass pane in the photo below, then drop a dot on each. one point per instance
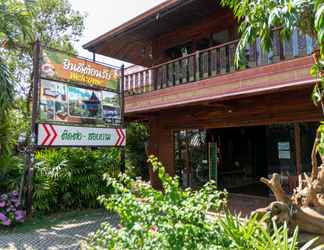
(191, 159)
(281, 156)
(307, 137)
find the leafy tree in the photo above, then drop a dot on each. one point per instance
(14, 26)
(56, 25)
(258, 18)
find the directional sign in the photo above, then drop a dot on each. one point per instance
(58, 135)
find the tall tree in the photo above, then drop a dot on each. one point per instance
(56, 25)
(14, 26)
(257, 19)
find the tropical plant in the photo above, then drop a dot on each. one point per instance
(68, 179)
(10, 209)
(150, 219)
(55, 24)
(136, 165)
(177, 219)
(6, 103)
(14, 26)
(258, 19)
(10, 172)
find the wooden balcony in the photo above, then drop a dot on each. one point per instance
(214, 64)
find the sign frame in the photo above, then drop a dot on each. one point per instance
(53, 131)
(114, 124)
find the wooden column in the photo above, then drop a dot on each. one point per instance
(122, 117)
(161, 145)
(32, 142)
(297, 148)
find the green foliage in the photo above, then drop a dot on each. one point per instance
(14, 22)
(320, 147)
(150, 219)
(259, 18)
(10, 172)
(71, 178)
(137, 135)
(252, 234)
(176, 219)
(57, 25)
(6, 103)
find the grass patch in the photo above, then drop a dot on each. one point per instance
(47, 221)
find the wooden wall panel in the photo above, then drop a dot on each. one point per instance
(285, 107)
(220, 20)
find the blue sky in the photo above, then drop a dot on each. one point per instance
(104, 15)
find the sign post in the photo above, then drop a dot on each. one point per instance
(122, 150)
(30, 157)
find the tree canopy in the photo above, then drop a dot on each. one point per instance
(56, 24)
(259, 18)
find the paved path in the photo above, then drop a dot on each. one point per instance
(65, 235)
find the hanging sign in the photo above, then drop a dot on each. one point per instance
(57, 135)
(64, 67)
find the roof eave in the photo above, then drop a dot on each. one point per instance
(131, 23)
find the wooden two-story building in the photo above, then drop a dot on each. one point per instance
(204, 113)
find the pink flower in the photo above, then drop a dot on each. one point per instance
(6, 222)
(14, 193)
(3, 217)
(2, 203)
(20, 215)
(154, 229)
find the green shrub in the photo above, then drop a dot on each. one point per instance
(72, 178)
(150, 219)
(177, 219)
(136, 159)
(11, 169)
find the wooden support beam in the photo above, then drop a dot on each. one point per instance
(297, 148)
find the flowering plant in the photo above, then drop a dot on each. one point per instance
(150, 219)
(10, 209)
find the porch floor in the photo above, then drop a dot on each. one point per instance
(245, 204)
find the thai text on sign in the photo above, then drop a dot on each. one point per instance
(60, 66)
(57, 135)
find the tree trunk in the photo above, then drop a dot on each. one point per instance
(305, 208)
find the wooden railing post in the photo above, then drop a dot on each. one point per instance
(154, 78)
(197, 64)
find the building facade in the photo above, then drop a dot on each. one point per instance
(208, 119)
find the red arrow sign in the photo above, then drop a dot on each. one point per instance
(50, 134)
(121, 137)
(55, 135)
(47, 134)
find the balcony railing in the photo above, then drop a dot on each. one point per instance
(214, 61)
